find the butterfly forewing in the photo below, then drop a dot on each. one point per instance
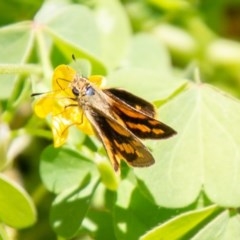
(128, 98)
(137, 115)
(118, 141)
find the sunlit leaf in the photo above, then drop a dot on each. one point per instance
(70, 207)
(70, 35)
(153, 71)
(204, 154)
(171, 5)
(16, 207)
(114, 29)
(207, 223)
(154, 86)
(15, 42)
(224, 226)
(134, 214)
(140, 55)
(3, 233)
(64, 168)
(177, 227)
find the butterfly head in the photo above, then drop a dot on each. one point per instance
(81, 87)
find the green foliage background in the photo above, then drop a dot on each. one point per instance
(184, 56)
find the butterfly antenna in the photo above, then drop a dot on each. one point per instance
(37, 94)
(73, 58)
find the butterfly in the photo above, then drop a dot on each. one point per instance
(119, 119)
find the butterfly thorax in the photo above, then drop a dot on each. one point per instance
(88, 95)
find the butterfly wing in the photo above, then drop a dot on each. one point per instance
(131, 100)
(118, 141)
(137, 115)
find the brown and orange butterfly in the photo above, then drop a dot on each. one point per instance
(116, 116)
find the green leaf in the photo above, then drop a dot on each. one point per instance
(151, 73)
(5, 138)
(134, 214)
(17, 11)
(208, 223)
(224, 53)
(114, 29)
(224, 226)
(63, 168)
(20, 91)
(140, 54)
(76, 35)
(15, 40)
(108, 176)
(171, 5)
(99, 224)
(82, 66)
(70, 207)
(232, 230)
(3, 233)
(72, 29)
(181, 44)
(204, 154)
(180, 225)
(16, 207)
(151, 85)
(15, 44)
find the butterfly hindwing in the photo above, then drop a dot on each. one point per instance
(118, 141)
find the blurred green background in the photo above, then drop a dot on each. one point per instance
(180, 41)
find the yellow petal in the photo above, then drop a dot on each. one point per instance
(96, 79)
(44, 106)
(61, 122)
(73, 114)
(63, 75)
(77, 118)
(85, 126)
(52, 103)
(62, 104)
(60, 128)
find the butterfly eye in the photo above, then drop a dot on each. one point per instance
(75, 91)
(89, 91)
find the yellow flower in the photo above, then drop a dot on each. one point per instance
(59, 104)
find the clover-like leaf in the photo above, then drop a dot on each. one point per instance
(15, 42)
(69, 33)
(133, 213)
(62, 169)
(70, 207)
(151, 73)
(177, 227)
(114, 30)
(204, 154)
(16, 207)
